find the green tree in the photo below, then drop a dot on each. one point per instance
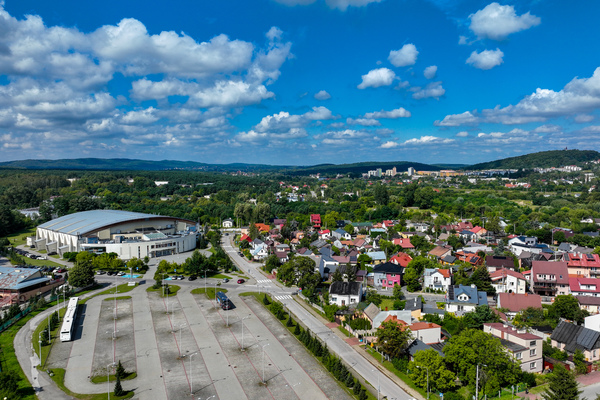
(253, 232)
(561, 385)
(349, 229)
(411, 278)
(337, 276)
(481, 279)
(118, 388)
(482, 314)
(530, 316)
(579, 361)
(82, 274)
(441, 379)
(382, 196)
(474, 347)
(567, 306)
(272, 263)
(392, 339)
(420, 263)
(120, 371)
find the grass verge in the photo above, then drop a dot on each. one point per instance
(59, 378)
(173, 289)
(113, 378)
(210, 292)
(344, 331)
(123, 288)
(19, 238)
(118, 298)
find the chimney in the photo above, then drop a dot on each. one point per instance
(386, 308)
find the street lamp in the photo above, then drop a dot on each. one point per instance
(427, 368)
(108, 379)
(263, 362)
(40, 342)
(377, 382)
(116, 290)
(215, 295)
(191, 374)
(243, 331)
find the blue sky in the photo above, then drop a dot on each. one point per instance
(297, 82)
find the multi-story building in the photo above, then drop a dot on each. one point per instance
(549, 278)
(584, 265)
(508, 281)
(523, 346)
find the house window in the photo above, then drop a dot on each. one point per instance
(594, 354)
(334, 299)
(392, 275)
(532, 343)
(518, 356)
(460, 308)
(532, 365)
(532, 352)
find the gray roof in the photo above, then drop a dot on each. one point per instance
(90, 221)
(20, 278)
(576, 337)
(475, 297)
(345, 288)
(371, 311)
(418, 345)
(414, 304)
(513, 347)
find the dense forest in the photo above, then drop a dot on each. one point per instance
(543, 159)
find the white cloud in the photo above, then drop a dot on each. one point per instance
(548, 128)
(497, 22)
(393, 114)
(230, 94)
(377, 77)
(462, 40)
(487, 59)
(341, 5)
(462, 134)
(581, 118)
(407, 55)
(363, 121)
(322, 95)
(141, 117)
(423, 140)
(433, 89)
(430, 71)
(319, 113)
(389, 145)
(466, 118)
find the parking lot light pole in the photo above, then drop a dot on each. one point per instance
(192, 374)
(40, 342)
(263, 362)
(243, 331)
(215, 295)
(108, 379)
(180, 328)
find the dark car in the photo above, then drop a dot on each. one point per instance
(192, 278)
(241, 281)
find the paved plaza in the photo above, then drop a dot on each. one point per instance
(194, 350)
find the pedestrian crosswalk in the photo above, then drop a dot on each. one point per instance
(264, 281)
(283, 297)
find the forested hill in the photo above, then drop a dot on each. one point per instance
(124, 164)
(543, 159)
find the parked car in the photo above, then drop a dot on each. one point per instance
(241, 281)
(52, 253)
(120, 273)
(61, 271)
(100, 272)
(192, 278)
(225, 280)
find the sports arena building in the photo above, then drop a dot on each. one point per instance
(128, 234)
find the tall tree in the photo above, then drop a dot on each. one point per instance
(561, 385)
(430, 362)
(481, 278)
(382, 196)
(393, 339)
(82, 274)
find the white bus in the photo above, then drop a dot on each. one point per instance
(66, 330)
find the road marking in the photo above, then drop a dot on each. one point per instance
(264, 281)
(284, 297)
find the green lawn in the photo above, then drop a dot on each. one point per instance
(173, 289)
(123, 288)
(54, 336)
(59, 379)
(210, 291)
(112, 378)
(20, 238)
(389, 303)
(40, 263)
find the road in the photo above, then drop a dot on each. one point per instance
(370, 372)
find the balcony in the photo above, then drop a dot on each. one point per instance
(550, 280)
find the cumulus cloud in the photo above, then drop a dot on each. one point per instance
(433, 89)
(423, 140)
(407, 55)
(322, 95)
(581, 118)
(487, 59)
(430, 72)
(363, 121)
(392, 114)
(497, 22)
(466, 118)
(578, 97)
(462, 134)
(377, 77)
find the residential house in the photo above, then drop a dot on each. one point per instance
(387, 275)
(260, 252)
(282, 256)
(494, 263)
(262, 227)
(448, 260)
(580, 286)
(304, 251)
(589, 303)
(520, 244)
(345, 293)
(427, 332)
(471, 258)
(315, 220)
(437, 279)
(341, 234)
(523, 346)
(324, 234)
(515, 303)
(378, 257)
(592, 322)
(508, 281)
(440, 252)
(462, 299)
(256, 242)
(370, 312)
(279, 223)
(319, 243)
(227, 223)
(570, 337)
(403, 242)
(401, 259)
(327, 264)
(585, 265)
(392, 315)
(415, 306)
(418, 226)
(550, 278)
(246, 238)
(418, 345)
(478, 232)
(360, 226)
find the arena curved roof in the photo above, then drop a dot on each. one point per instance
(89, 221)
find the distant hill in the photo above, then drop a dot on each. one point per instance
(543, 159)
(125, 164)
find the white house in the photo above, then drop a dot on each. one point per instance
(508, 281)
(463, 299)
(437, 279)
(260, 251)
(345, 293)
(228, 223)
(341, 234)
